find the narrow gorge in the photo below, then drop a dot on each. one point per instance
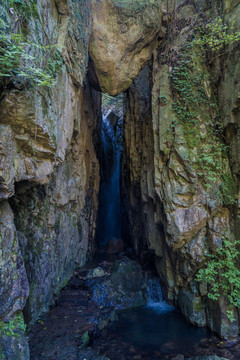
(119, 179)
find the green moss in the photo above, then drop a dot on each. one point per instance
(229, 188)
(85, 339)
(2, 355)
(24, 8)
(196, 111)
(198, 306)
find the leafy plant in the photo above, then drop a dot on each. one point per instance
(13, 326)
(16, 63)
(23, 8)
(196, 111)
(222, 274)
(22, 61)
(216, 35)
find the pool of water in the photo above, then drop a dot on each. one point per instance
(157, 328)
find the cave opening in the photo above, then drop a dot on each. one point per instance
(123, 223)
(110, 232)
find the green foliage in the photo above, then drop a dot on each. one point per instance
(12, 327)
(23, 8)
(210, 161)
(22, 61)
(216, 35)
(114, 103)
(189, 93)
(163, 100)
(222, 274)
(196, 111)
(16, 63)
(229, 188)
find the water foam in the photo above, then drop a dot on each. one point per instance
(155, 298)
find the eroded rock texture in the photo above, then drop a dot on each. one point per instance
(122, 40)
(48, 170)
(175, 210)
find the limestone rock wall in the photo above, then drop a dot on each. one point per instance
(177, 204)
(122, 40)
(56, 221)
(176, 209)
(49, 172)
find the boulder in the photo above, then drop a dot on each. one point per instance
(123, 289)
(122, 40)
(14, 347)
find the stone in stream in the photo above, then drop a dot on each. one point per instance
(123, 289)
(178, 357)
(210, 357)
(228, 344)
(90, 354)
(87, 274)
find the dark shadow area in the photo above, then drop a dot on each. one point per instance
(109, 234)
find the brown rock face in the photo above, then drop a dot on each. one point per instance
(174, 210)
(58, 219)
(122, 40)
(49, 169)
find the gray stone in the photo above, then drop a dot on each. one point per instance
(123, 289)
(211, 357)
(90, 354)
(14, 347)
(192, 307)
(14, 287)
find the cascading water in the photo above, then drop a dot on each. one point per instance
(109, 217)
(154, 297)
(155, 330)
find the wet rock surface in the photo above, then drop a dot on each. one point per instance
(114, 348)
(76, 319)
(123, 289)
(70, 325)
(77, 328)
(14, 347)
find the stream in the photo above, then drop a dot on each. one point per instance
(113, 309)
(156, 329)
(109, 215)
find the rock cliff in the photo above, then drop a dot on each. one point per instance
(49, 172)
(182, 189)
(122, 41)
(180, 178)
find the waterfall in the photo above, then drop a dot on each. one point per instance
(109, 218)
(154, 297)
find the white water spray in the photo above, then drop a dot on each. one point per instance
(155, 298)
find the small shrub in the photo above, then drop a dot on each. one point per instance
(222, 274)
(13, 326)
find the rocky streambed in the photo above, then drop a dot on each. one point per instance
(101, 314)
